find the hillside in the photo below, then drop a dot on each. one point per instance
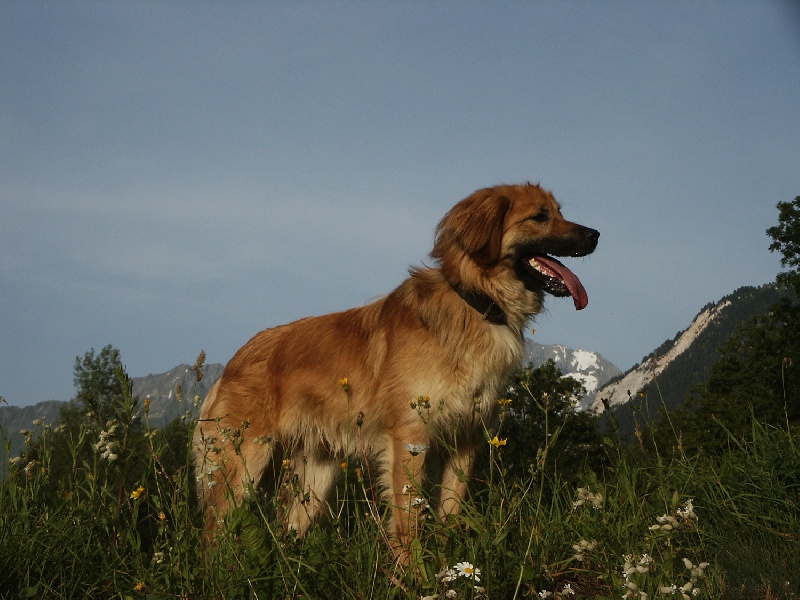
(666, 375)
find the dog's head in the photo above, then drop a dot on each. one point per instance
(502, 241)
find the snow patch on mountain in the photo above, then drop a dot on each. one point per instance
(589, 368)
(583, 360)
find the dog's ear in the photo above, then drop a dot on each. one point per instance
(476, 226)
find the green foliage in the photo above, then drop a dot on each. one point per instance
(541, 413)
(754, 379)
(99, 433)
(100, 381)
(786, 240)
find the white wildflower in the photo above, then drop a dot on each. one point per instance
(415, 449)
(106, 444)
(668, 590)
(587, 497)
(686, 512)
(567, 591)
(420, 503)
(581, 548)
(466, 569)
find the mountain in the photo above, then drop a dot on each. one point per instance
(164, 404)
(162, 390)
(588, 367)
(16, 419)
(665, 376)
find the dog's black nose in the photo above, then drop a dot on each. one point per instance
(592, 235)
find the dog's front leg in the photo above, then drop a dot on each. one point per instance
(455, 476)
(407, 471)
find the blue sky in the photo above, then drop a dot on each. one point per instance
(179, 175)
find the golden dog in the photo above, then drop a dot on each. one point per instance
(414, 373)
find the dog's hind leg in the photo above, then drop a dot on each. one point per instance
(226, 471)
(314, 474)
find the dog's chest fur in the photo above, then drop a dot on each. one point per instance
(468, 361)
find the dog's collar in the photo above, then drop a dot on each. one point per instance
(485, 306)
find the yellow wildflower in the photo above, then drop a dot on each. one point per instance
(345, 384)
(137, 493)
(496, 442)
(139, 586)
(504, 401)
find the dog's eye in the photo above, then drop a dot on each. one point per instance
(540, 218)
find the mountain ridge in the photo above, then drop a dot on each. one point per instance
(666, 376)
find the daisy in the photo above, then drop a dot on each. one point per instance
(415, 449)
(466, 569)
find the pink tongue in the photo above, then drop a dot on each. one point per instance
(569, 278)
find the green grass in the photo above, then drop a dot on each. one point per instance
(76, 525)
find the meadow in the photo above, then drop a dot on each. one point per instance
(105, 507)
